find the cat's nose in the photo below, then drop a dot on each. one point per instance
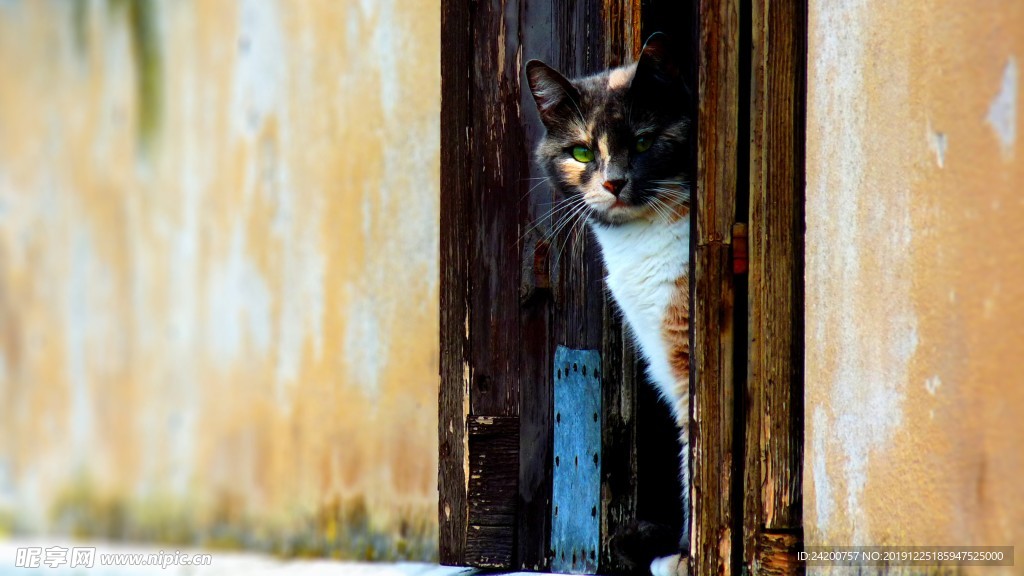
(614, 186)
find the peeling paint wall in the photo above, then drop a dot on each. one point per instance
(218, 272)
(915, 274)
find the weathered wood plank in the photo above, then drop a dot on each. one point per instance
(622, 31)
(499, 163)
(490, 546)
(718, 119)
(713, 411)
(618, 437)
(621, 373)
(537, 301)
(712, 392)
(777, 553)
(493, 470)
(535, 435)
(774, 432)
(544, 32)
(456, 215)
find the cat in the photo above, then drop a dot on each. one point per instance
(618, 148)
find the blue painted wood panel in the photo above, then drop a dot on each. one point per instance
(576, 490)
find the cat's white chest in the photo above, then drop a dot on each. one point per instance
(644, 261)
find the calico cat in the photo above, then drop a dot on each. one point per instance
(618, 148)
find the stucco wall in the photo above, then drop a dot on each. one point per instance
(218, 271)
(915, 274)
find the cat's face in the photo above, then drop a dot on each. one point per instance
(618, 141)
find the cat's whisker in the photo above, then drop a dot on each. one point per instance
(565, 203)
(676, 190)
(579, 242)
(576, 218)
(544, 234)
(576, 253)
(662, 208)
(683, 196)
(568, 219)
(570, 210)
(572, 240)
(534, 187)
(659, 209)
(555, 206)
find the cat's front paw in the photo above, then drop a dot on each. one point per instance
(674, 565)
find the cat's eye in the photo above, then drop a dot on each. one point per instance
(582, 154)
(644, 143)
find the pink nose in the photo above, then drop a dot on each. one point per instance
(614, 186)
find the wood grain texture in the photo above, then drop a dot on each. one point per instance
(712, 402)
(498, 161)
(773, 468)
(537, 322)
(718, 119)
(711, 442)
(493, 470)
(569, 36)
(490, 547)
(516, 296)
(618, 437)
(622, 31)
(493, 446)
(621, 372)
(455, 370)
(777, 553)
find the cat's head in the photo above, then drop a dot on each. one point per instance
(619, 141)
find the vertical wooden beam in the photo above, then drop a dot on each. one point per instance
(493, 448)
(622, 31)
(561, 296)
(498, 163)
(774, 432)
(455, 371)
(536, 30)
(621, 375)
(712, 406)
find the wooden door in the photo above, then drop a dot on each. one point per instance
(514, 297)
(512, 294)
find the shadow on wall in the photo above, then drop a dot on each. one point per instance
(218, 273)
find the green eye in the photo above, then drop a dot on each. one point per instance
(583, 154)
(643, 143)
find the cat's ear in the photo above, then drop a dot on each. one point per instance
(550, 90)
(658, 65)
